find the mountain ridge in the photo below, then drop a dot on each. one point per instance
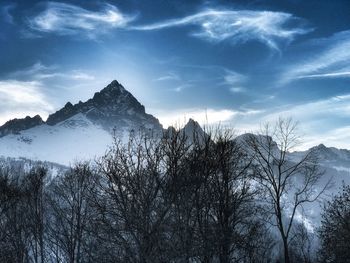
(113, 111)
(108, 108)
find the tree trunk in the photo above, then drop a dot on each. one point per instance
(286, 250)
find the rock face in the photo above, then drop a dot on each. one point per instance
(16, 125)
(112, 107)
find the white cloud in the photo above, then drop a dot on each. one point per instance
(167, 77)
(182, 87)
(343, 74)
(181, 117)
(330, 62)
(234, 81)
(203, 116)
(68, 19)
(237, 26)
(21, 98)
(232, 77)
(237, 89)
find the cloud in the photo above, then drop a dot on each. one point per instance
(39, 71)
(182, 87)
(169, 76)
(234, 81)
(181, 117)
(341, 74)
(21, 98)
(330, 62)
(68, 19)
(237, 89)
(237, 26)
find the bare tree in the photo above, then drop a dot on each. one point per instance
(14, 232)
(224, 201)
(34, 184)
(70, 214)
(288, 184)
(138, 208)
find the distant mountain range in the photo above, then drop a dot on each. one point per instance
(85, 130)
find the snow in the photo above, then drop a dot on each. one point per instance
(341, 168)
(75, 139)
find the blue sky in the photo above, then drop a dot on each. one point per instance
(240, 63)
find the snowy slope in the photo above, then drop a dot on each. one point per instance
(74, 139)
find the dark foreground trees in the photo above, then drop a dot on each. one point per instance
(176, 200)
(180, 198)
(334, 232)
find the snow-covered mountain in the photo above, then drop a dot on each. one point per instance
(85, 130)
(80, 131)
(330, 157)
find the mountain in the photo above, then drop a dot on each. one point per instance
(112, 107)
(16, 125)
(328, 157)
(76, 132)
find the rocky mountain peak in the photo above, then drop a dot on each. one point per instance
(192, 127)
(114, 97)
(16, 125)
(110, 107)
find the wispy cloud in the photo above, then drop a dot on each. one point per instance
(39, 71)
(169, 76)
(345, 74)
(234, 81)
(182, 87)
(21, 98)
(330, 62)
(68, 19)
(237, 26)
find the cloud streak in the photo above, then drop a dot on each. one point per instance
(68, 19)
(237, 27)
(39, 72)
(330, 62)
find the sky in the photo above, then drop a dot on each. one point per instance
(237, 63)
